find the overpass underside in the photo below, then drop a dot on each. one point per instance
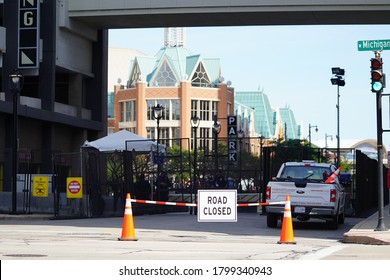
(155, 13)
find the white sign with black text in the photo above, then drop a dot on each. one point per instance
(217, 205)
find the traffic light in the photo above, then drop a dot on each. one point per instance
(338, 78)
(377, 76)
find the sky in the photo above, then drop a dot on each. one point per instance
(292, 65)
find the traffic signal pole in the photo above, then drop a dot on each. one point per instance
(381, 225)
(340, 82)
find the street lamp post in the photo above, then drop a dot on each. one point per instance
(262, 189)
(216, 130)
(15, 84)
(310, 127)
(326, 144)
(194, 124)
(338, 80)
(157, 115)
(241, 135)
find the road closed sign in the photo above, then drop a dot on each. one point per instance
(217, 205)
(74, 187)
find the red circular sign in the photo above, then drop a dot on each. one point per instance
(74, 187)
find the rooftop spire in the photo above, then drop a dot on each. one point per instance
(174, 37)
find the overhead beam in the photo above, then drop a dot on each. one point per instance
(157, 13)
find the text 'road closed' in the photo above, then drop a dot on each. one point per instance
(217, 206)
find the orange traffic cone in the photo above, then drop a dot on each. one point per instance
(128, 224)
(333, 176)
(287, 234)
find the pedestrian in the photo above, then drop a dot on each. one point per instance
(219, 181)
(163, 184)
(142, 187)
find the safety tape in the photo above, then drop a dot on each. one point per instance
(194, 204)
(164, 202)
(261, 203)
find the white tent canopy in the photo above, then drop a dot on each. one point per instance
(123, 140)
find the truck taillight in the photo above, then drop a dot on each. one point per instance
(333, 195)
(268, 193)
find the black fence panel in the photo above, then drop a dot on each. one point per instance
(108, 177)
(366, 199)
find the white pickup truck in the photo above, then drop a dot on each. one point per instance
(310, 196)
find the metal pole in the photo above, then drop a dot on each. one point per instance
(381, 225)
(240, 179)
(193, 179)
(338, 126)
(158, 147)
(158, 135)
(195, 162)
(261, 191)
(15, 152)
(216, 150)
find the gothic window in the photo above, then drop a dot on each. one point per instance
(164, 77)
(135, 76)
(200, 78)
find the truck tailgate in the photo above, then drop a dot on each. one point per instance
(313, 194)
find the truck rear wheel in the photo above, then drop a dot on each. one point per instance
(272, 220)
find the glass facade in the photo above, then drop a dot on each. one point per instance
(288, 119)
(264, 115)
(110, 105)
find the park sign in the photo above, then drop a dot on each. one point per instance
(373, 45)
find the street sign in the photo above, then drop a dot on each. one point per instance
(28, 33)
(40, 186)
(232, 139)
(158, 158)
(74, 187)
(217, 205)
(373, 45)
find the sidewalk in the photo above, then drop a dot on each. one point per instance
(365, 233)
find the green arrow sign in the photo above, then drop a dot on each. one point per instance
(373, 45)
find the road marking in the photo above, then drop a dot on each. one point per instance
(322, 253)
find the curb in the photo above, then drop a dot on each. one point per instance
(368, 238)
(25, 217)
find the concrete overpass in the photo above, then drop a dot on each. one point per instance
(164, 13)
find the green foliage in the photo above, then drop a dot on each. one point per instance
(345, 164)
(178, 163)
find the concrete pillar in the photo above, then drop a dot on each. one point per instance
(141, 109)
(185, 111)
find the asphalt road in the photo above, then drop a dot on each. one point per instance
(176, 236)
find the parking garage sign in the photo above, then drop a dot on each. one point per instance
(217, 205)
(232, 139)
(28, 33)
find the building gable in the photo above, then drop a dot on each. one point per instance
(164, 75)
